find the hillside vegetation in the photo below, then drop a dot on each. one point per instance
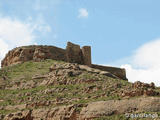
(56, 90)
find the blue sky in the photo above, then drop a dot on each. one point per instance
(117, 30)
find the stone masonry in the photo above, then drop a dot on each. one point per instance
(86, 51)
(72, 54)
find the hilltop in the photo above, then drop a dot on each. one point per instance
(72, 54)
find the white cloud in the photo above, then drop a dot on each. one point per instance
(42, 27)
(14, 33)
(42, 5)
(39, 24)
(148, 55)
(83, 13)
(145, 64)
(3, 48)
(143, 75)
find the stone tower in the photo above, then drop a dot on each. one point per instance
(75, 54)
(86, 53)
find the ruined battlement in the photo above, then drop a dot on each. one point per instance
(73, 54)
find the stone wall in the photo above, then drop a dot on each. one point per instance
(119, 72)
(73, 54)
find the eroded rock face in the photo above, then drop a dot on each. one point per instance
(56, 113)
(140, 89)
(105, 108)
(59, 74)
(25, 115)
(36, 53)
(90, 110)
(62, 113)
(139, 84)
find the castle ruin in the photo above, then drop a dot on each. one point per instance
(73, 54)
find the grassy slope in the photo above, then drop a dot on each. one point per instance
(24, 73)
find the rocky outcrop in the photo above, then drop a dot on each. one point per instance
(36, 53)
(56, 113)
(89, 111)
(140, 89)
(59, 73)
(139, 84)
(106, 108)
(25, 115)
(54, 90)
